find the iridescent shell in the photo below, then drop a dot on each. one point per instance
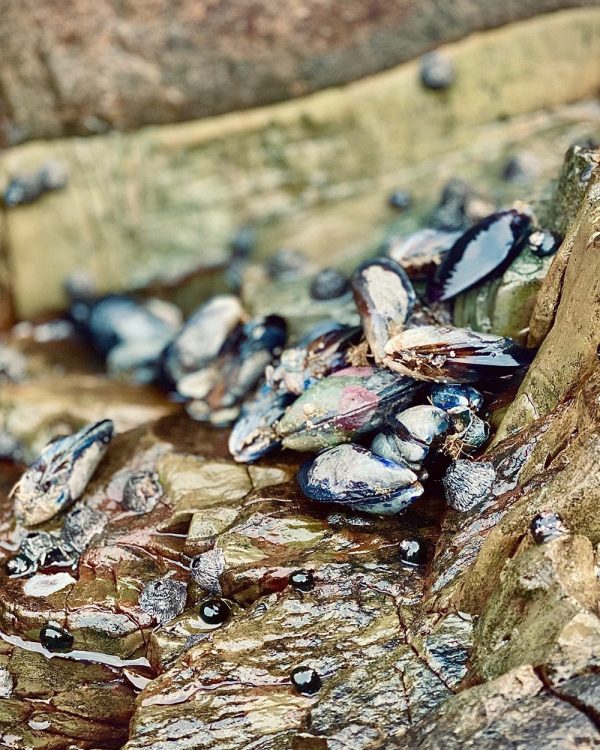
(202, 337)
(254, 434)
(319, 354)
(61, 473)
(335, 410)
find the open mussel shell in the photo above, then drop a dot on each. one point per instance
(202, 337)
(349, 403)
(253, 434)
(385, 297)
(481, 253)
(354, 476)
(243, 358)
(454, 355)
(320, 353)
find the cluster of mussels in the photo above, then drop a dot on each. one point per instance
(378, 403)
(354, 394)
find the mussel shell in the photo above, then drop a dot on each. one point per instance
(454, 355)
(243, 358)
(422, 252)
(388, 444)
(385, 297)
(116, 318)
(202, 337)
(472, 431)
(349, 403)
(482, 252)
(423, 423)
(316, 356)
(352, 475)
(253, 434)
(450, 396)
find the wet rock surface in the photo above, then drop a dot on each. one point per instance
(187, 600)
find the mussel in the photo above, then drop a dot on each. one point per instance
(354, 476)
(201, 338)
(422, 252)
(323, 351)
(454, 355)
(222, 386)
(335, 410)
(416, 430)
(480, 253)
(451, 396)
(61, 473)
(254, 434)
(385, 298)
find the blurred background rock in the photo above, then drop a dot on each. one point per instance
(140, 137)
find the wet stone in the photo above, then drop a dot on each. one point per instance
(142, 492)
(328, 284)
(56, 639)
(547, 526)
(287, 264)
(214, 611)
(305, 680)
(163, 598)
(400, 200)
(521, 168)
(302, 580)
(206, 570)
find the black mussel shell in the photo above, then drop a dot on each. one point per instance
(253, 434)
(482, 252)
(450, 396)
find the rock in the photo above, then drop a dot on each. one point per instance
(565, 320)
(511, 711)
(87, 69)
(60, 703)
(295, 166)
(36, 410)
(540, 592)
